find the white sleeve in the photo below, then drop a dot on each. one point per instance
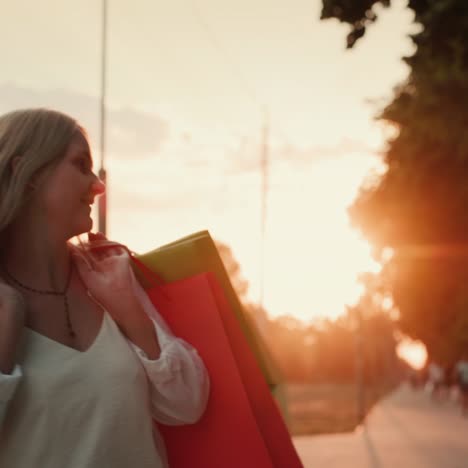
(8, 384)
(178, 378)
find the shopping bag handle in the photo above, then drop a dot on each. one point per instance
(149, 275)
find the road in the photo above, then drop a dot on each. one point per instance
(405, 430)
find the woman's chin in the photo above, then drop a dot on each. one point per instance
(83, 227)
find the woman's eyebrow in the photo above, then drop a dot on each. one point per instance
(87, 155)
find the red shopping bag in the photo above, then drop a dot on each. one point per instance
(242, 426)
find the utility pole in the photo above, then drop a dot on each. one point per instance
(102, 201)
(264, 167)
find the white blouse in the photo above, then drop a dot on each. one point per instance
(65, 408)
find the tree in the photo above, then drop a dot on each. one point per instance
(419, 206)
(233, 269)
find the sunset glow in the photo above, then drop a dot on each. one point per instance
(324, 254)
(413, 352)
(185, 107)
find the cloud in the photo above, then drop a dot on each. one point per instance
(130, 133)
(247, 156)
(343, 148)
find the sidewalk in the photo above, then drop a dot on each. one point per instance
(406, 430)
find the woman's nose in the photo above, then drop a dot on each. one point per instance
(98, 187)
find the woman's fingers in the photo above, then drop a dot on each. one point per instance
(98, 254)
(94, 236)
(106, 250)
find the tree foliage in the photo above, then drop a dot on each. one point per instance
(233, 269)
(358, 13)
(327, 351)
(323, 352)
(422, 198)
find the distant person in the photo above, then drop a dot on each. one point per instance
(461, 371)
(448, 378)
(436, 378)
(415, 378)
(84, 370)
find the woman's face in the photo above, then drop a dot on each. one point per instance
(69, 190)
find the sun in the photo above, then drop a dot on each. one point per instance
(413, 352)
(313, 254)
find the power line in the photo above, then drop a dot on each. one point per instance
(265, 149)
(212, 38)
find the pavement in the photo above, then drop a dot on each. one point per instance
(405, 430)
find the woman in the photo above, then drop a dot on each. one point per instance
(461, 370)
(84, 365)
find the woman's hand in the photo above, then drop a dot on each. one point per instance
(107, 275)
(106, 272)
(12, 321)
(12, 304)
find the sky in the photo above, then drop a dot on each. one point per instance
(190, 86)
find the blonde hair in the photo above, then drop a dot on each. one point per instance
(40, 138)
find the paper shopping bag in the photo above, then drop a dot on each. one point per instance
(227, 435)
(197, 253)
(242, 426)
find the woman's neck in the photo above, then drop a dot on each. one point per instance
(35, 257)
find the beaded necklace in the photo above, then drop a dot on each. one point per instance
(63, 293)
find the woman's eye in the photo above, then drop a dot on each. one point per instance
(84, 166)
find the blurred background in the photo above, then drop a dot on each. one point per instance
(322, 143)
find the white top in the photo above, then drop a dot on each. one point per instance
(93, 409)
